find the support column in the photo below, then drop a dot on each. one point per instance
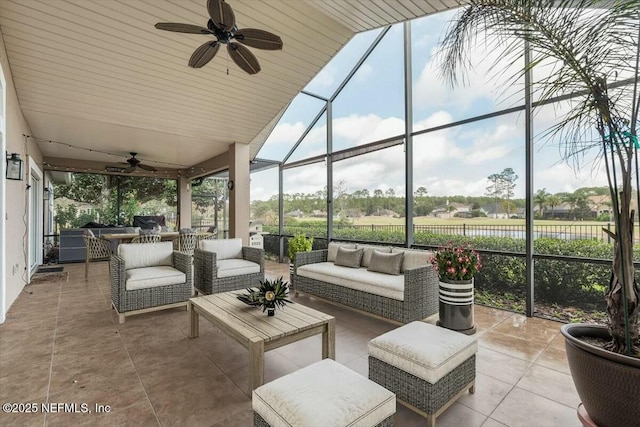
(239, 198)
(184, 202)
(529, 204)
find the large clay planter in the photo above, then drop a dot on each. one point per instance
(608, 383)
(456, 305)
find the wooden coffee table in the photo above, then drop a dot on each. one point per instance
(258, 332)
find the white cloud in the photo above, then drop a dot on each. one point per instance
(430, 88)
(452, 161)
(325, 78)
(283, 133)
(358, 130)
(363, 73)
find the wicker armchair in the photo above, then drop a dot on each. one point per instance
(225, 265)
(149, 276)
(146, 238)
(97, 249)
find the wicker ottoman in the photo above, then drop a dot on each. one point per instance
(426, 366)
(323, 394)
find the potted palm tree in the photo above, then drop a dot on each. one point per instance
(595, 46)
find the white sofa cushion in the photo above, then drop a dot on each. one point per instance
(224, 248)
(355, 278)
(236, 267)
(139, 255)
(323, 394)
(332, 250)
(426, 351)
(368, 250)
(413, 258)
(151, 277)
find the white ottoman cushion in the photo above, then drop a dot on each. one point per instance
(323, 394)
(426, 351)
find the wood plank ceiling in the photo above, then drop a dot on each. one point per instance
(96, 75)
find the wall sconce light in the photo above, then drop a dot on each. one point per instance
(14, 166)
(46, 193)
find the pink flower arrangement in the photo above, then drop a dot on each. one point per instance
(456, 262)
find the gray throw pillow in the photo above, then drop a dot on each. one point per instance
(386, 263)
(349, 257)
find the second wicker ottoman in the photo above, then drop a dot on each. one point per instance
(323, 394)
(426, 366)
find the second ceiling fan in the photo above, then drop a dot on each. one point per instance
(222, 25)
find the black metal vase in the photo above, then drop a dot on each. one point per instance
(608, 383)
(456, 305)
(271, 311)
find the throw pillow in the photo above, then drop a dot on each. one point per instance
(349, 257)
(368, 250)
(386, 263)
(333, 249)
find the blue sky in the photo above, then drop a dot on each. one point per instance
(371, 107)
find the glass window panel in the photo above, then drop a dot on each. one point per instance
(371, 105)
(453, 195)
(305, 200)
(486, 89)
(293, 123)
(210, 204)
(333, 74)
(114, 200)
(369, 196)
(264, 199)
(315, 143)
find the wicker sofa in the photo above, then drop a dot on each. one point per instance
(148, 277)
(411, 295)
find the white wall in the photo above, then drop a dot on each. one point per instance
(15, 195)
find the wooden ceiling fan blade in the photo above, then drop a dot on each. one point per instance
(147, 168)
(243, 58)
(259, 39)
(182, 28)
(221, 14)
(203, 54)
(129, 169)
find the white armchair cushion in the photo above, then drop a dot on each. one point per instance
(151, 277)
(138, 255)
(236, 267)
(224, 248)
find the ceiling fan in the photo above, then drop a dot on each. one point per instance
(133, 164)
(222, 25)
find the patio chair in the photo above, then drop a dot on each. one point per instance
(97, 249)
(146, 238)
(223, 265)
(186, 242)
(148, 277)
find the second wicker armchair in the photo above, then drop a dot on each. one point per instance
(225, 265)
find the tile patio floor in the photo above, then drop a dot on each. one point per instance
(61, 342)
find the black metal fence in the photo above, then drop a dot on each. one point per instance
(565, 232)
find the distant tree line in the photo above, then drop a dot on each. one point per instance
(365, 202)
